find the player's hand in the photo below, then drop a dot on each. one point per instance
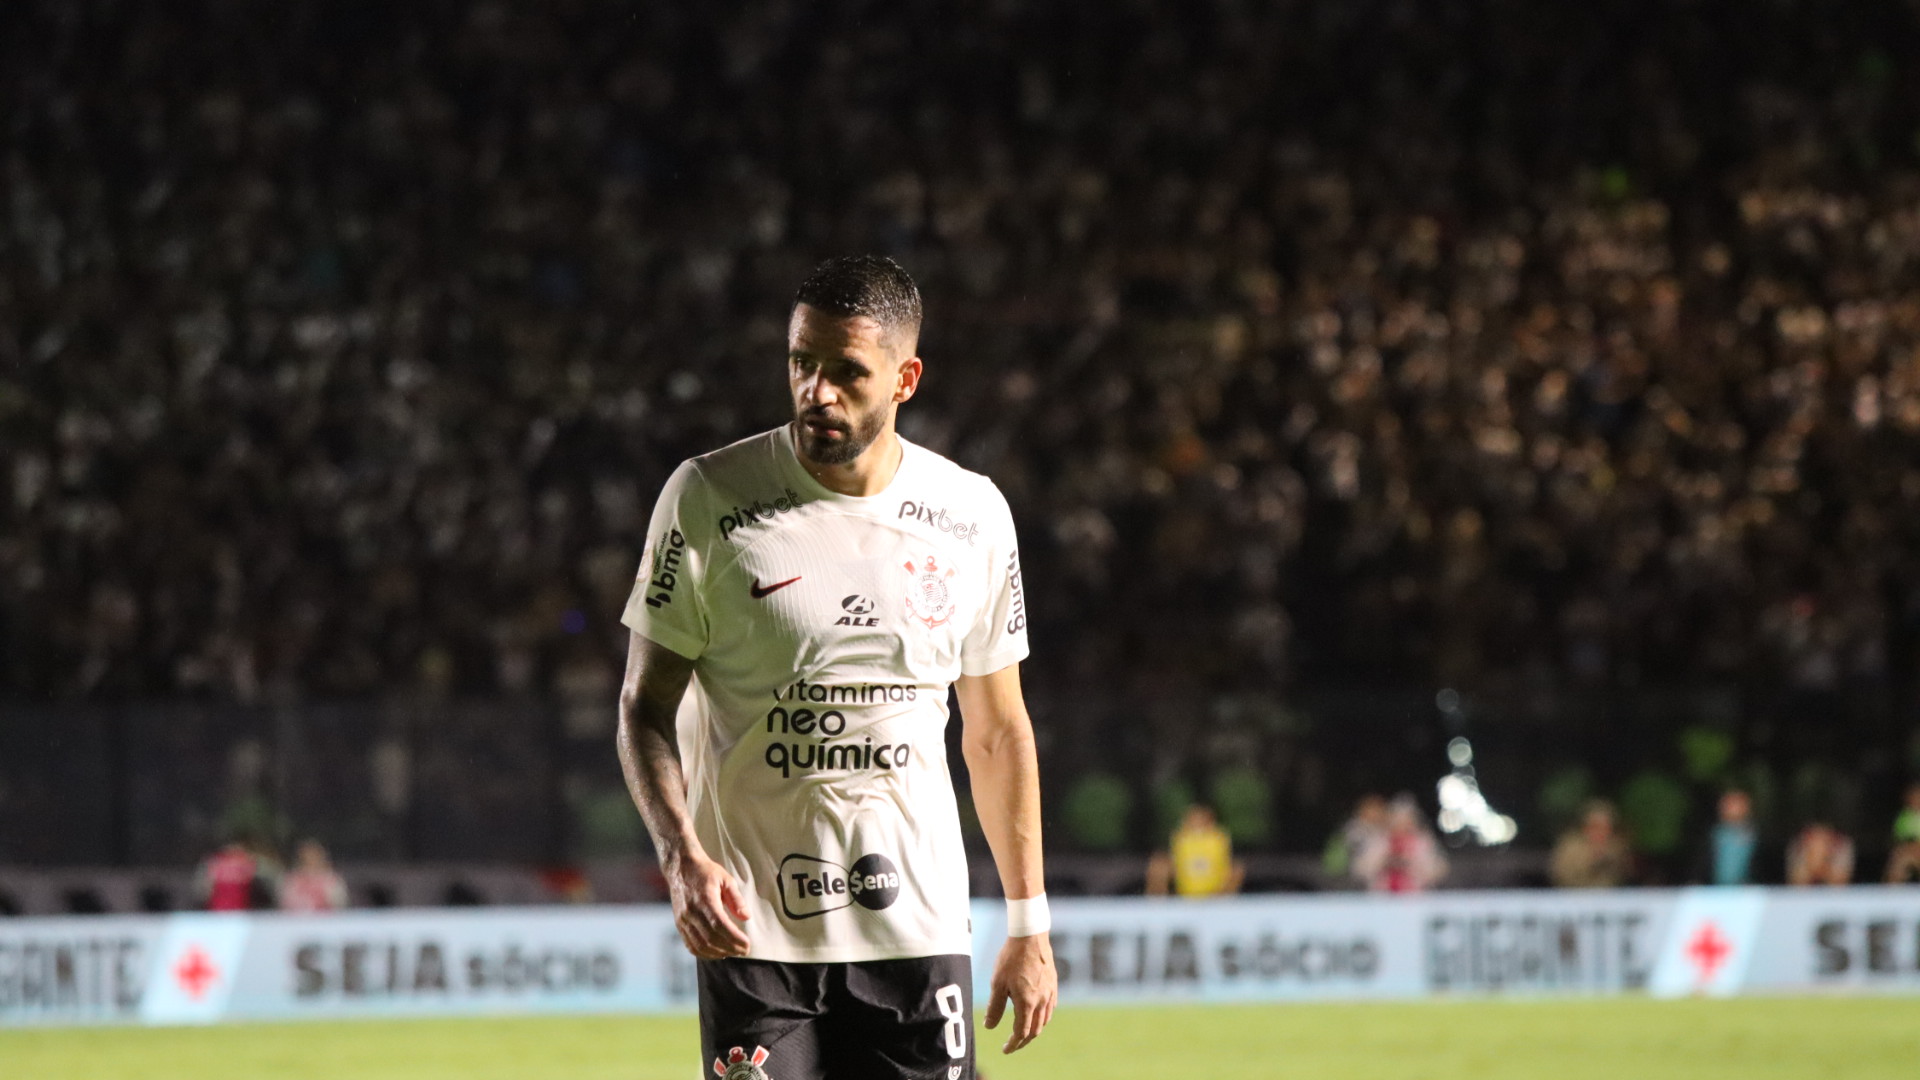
(708, 902)
(1025, 975)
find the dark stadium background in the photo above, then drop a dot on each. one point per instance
(1332, 356)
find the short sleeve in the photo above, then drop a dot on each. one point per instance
(999, 639)
(666, 606)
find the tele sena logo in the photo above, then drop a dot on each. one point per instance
(811, 886)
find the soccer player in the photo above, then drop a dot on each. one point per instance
(808, 597)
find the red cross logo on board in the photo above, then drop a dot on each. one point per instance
(1708, 949)
(195, 972)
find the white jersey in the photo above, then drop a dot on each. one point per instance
(825, 631)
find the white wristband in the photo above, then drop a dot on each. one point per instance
(1028, 917)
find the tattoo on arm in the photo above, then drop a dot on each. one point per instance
(649, 749)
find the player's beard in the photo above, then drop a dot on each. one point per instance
(853, 441)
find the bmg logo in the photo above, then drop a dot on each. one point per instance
(666, 568)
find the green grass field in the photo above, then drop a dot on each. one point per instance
(1804, 1039)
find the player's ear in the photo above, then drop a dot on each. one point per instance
(908, 379)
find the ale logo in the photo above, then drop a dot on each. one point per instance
(859, 611)
(810, 887)
(739, 1065)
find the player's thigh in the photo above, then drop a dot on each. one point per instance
(760, 1019)
(902, 1020)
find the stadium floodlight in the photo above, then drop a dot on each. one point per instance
(1463, 808)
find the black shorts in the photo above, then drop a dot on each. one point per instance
(876, 1020)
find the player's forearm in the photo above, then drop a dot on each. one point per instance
(649, 751)
(1006, 795)
(650, 759)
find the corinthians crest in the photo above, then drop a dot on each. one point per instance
(740, 1066)
(929, 596)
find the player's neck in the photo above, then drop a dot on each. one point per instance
(868, 474)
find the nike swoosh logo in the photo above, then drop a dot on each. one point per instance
(761, 592)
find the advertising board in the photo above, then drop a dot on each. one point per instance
(201, 968)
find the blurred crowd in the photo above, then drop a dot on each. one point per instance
(246, 875)
(345, 345)
(1386, 846)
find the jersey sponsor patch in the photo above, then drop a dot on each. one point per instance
(818, 752)
(812, 886)
(665, 568)
(740, 1065)
(1018, 620)
(758, 511)
(859, 611)
(938, 517)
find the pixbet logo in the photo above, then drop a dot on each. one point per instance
(667, 555)
(858, 612)
(757, 511)
(940, 519)
(811, 886)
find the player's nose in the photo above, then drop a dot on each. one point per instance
(815, 390)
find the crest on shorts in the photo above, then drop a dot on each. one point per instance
(929, 596)
(739, 1065)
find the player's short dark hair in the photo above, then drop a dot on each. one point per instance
(870, 285)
